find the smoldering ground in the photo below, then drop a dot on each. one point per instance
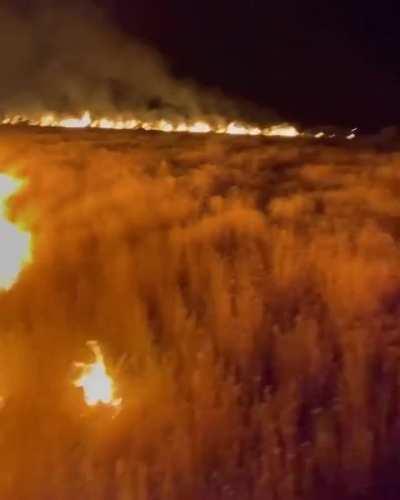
(245, 294)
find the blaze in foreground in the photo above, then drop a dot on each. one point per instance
(15, 242)
(98, 386)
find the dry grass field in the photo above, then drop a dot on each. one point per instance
(245, 293)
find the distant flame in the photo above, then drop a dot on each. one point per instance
(282, 130)
(195, 127)
(15, 243)
(86, 120)
(98, 386)
(199, 128)
(82, 122)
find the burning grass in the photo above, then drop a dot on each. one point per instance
(245, 294)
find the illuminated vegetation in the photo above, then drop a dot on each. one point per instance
(245, 293)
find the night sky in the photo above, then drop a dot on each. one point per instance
(316, 62)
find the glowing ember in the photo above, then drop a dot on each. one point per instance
(98, 386)
(352, 134)
(15, 243)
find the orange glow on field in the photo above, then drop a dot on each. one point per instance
(96, 383)
(15, 242)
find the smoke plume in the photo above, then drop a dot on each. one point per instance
(67, 59)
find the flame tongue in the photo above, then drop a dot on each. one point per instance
(15, 243)
(97, 385)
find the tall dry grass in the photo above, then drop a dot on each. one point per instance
(246, 296)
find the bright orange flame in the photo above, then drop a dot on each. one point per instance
(236, 129)
(282, 130)
(199, 128)
(86, 120)
(82, 122)
(195, 127)
(98, 386)
(15, 243)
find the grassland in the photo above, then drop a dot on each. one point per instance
(246, 294)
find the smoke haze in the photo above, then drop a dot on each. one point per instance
(67, 59)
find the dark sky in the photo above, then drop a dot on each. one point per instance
(325, 62)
